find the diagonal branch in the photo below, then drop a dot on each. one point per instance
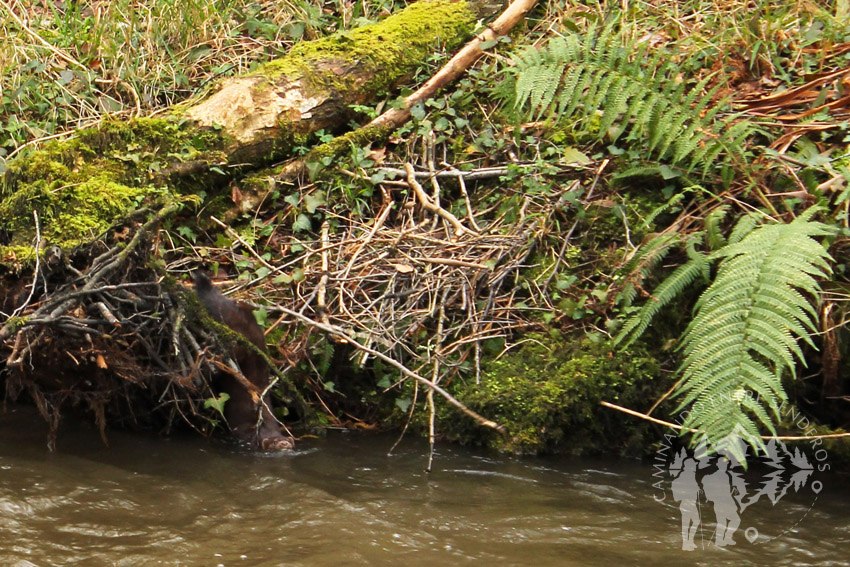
(337, 332)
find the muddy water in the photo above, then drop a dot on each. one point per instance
(341, 501)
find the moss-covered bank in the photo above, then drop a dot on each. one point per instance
(547, 393)
(82, 186)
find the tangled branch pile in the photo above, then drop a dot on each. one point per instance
(101, 330)
(415, 285)
(108, 331)
(427, 288)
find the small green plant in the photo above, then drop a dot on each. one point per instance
(217, 403)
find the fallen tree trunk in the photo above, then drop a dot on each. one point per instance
(381, 127)
(315, 84)
(80, 187)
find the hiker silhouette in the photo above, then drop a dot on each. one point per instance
(686, 492)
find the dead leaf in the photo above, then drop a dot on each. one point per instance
(378, 155)
(122, 235)
(235, 194)
(403, 268)
(605, 203)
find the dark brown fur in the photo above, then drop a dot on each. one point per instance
(250, 424)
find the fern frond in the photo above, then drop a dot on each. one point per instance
(618, 105)
(744, 226)
(677, 122)
(672, 202)
(687, 143)
(605, 71)
(731, 144)
(643, 115)
(661, 124)
(641, 265)
(668, 290)
(585, 78)
(599, 92)
(698, 102)
(714, 237)
(748, 325)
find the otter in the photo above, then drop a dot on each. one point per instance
(253, 425)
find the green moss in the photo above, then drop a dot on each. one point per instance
(143, 147)
(384, 52)
(15, 323)
(547, 395)
(90, 208)
(81, 186)
(343, 144)
(16, 258)
(70, 212)
(162, 136)
(116, 134)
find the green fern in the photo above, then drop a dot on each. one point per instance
(747, 327)
(715, 238)
(667, 291)
(748, 324)
(604, 72)
(644, 261)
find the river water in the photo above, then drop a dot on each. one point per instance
(341, 501)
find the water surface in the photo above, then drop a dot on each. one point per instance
(341, 501)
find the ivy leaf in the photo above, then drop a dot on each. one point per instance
(187, 233)
(302, 223)
(487, 44)
(313, 168)
(217, 403)
(313, 202)
(261, 315)
(417, 111)
(66, 77)
(668, 173)
(572, 155)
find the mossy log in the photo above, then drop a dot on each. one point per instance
(262, 114)
(76, 189)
